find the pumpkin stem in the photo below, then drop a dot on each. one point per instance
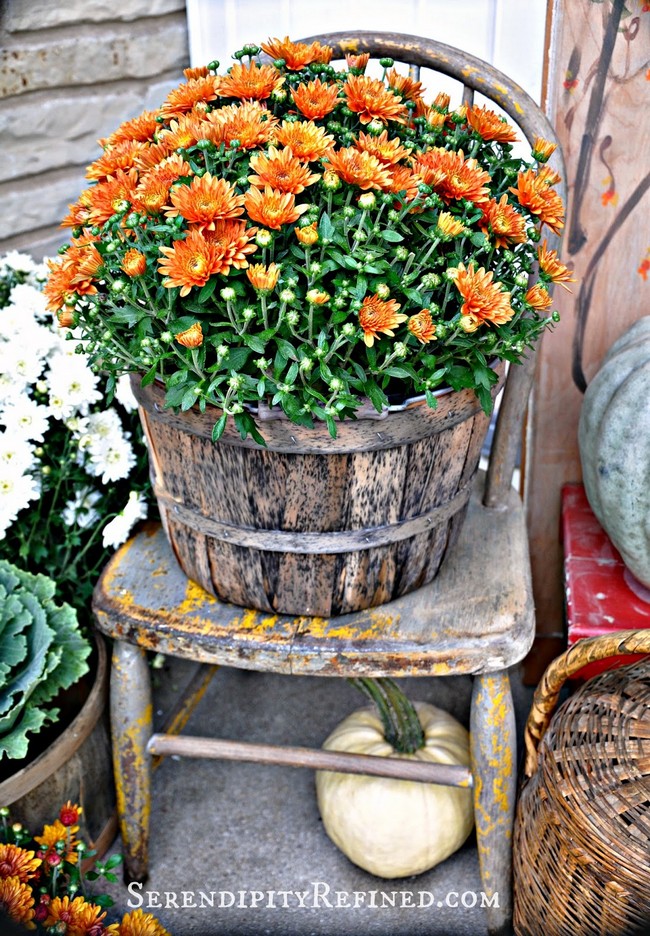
(400, 721)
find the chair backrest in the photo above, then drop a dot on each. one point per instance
(474, 75)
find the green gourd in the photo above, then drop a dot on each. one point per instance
(614, 443)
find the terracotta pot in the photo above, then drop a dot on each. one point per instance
(309, 524)
(77, 766)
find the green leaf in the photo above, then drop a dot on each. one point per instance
(237, 358)
(286, 349)
(432, 399)
(376, 395)
(254, 343)
(208, 290)
(246, 426)
(391, 236)
(479, 239)
(219, 426)
(174, 396)
(150, 376)
(128, 315)
(361, 287)
(326, 230)
(189, 399)
(15, 743)
(397, 372)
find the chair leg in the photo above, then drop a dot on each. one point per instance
(131, 728)
(493, 753)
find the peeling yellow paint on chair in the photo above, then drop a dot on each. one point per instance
(377, 625)
(195, 599)
(350, 45)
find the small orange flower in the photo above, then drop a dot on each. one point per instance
(234, 238)
(184, 131)
(377, 316)
(490, 126)
(191, 262)
(451, 175)
(314, 99)
(152, 193)
(60, 286)
(317, 297)
(17, 902)
(57, 832)
(78, 916)
(134, 263)
(543, 149)
(503, 223)
(307, 235)
(553, 269)
(297, 54)
(121, 156)
(432, 116)
(69, 813)
(251, 82)
(533, 192)
(137, 923)
(262, 278)
(250, 123)
(272, 208)
(192, 337)
(422, 327)
(449, 226)
(18, 862)
(206, 200)
(538, 298)
(281, 170)
(485, 301)
(357, 62)
(402, 179)
(200, 71)
(387, 151)
(441, 101)
(79, 213)
(112, 196)
(305, 140)
(358, 168)
(370, 99)
(408, 89)
(186, 96)
(140, 128)
(65, 318)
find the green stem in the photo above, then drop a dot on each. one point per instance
(400, 721)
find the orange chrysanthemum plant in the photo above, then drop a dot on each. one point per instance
(44, 888)
(305, 237)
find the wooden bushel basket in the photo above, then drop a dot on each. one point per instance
(314, 525)
(582, 832)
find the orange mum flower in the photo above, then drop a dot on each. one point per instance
(114, 195)
(305, 140)
(185, 131)
(200, 71)
(152, 193)
(192, 337)
(140, 128)
(377, 316)
(422, 327)
(387, 151)
(121, 156)
(234, 238)
(77, 915)
(137, 923)
(60, 286)
(250, 123)
(533, 192)
(543, 149)
(18, 862)
(370, 99)
(272, 208)
(432, 116)
(403, 180)
(191, 262)
(79, 213)
(449, 226)
(501, 221)
(262, 278)
(451, 175)
(17, 902)
(314, 99)
(250, 81)
(358, 168)
(357, 62)
(205, 201)
(408, 89)
(307, 235)
(152, 156)
(86, 260)
(551, 268)
(538, 298)
(490, 126)
(134, 263)
(297, 54)
(57, 832)
(281, 170)
(186, 96)
(485, 301)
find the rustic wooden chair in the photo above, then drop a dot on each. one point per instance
(479, 624)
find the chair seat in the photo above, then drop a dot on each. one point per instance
(475, 617)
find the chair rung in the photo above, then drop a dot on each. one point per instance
(341, 762)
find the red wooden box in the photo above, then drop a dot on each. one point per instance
(601, 594)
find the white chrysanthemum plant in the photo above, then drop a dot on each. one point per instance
(73, 467)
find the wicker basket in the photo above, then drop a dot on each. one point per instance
(582, 831)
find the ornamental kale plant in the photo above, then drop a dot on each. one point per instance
(292, 235)
(42, 651)
(73, 471)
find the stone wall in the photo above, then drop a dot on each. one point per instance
(70, 73)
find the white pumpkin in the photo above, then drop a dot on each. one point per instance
(396, 828)
(614, 442)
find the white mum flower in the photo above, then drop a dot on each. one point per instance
(117, 530)
(72, 386)
(16, 455)
(80, 511)
(16, 491)
(20, 262)
(124, 394)
(29, 300)
(26, 418)
(113, 459)
(21, 362)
